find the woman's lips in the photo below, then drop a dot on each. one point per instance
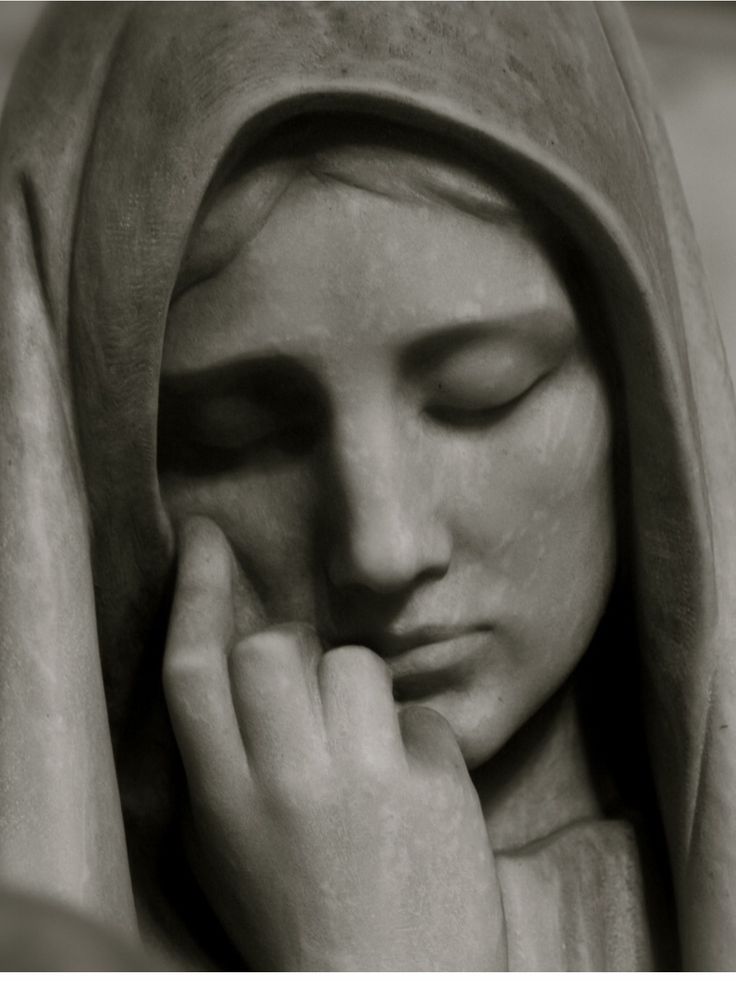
(427, 661)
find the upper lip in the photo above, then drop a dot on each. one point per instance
(391, 643)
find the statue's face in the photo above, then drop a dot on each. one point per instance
(391, 411)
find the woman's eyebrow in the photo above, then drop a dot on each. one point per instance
(544, 325)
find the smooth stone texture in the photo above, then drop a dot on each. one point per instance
(408, 486)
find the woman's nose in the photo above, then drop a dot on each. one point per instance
(384, 533)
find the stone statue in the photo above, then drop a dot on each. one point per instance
(367, 582)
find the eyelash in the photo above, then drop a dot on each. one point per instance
(472, 418)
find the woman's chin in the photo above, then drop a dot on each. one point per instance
(482, 724)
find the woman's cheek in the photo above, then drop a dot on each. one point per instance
(267, 519)
(533, 508)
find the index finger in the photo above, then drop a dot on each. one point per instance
(195, 674)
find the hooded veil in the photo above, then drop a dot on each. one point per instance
(118, 119)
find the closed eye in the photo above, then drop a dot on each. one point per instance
(469, 412)
(199, 450)
(259, 414)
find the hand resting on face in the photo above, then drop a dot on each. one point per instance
(331, 828)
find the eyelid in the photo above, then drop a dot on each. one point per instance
(546, 329)
(484, 411)
(476, 381)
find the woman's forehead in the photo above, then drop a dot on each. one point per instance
(341, 265)
(242, 204)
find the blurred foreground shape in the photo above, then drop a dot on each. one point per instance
(43, 935)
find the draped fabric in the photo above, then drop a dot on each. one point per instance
(117, 121)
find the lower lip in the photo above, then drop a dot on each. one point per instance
(425, 670)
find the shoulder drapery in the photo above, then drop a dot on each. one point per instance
(116, 124)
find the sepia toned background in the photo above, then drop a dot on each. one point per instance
(690, 49)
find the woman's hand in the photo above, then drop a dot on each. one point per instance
(332, 831)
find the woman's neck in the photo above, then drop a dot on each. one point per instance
(541, 781)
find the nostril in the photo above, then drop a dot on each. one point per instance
(380, 574)
(387, 560)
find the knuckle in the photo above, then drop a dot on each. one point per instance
(378, 771)
(289, 640)
(263, 643)
(183, 665)
(294, 791)
(353, 658)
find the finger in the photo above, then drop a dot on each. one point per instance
(429, 740)
(358, 705)
(248, 612)
(273, 675)
(196, 682)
